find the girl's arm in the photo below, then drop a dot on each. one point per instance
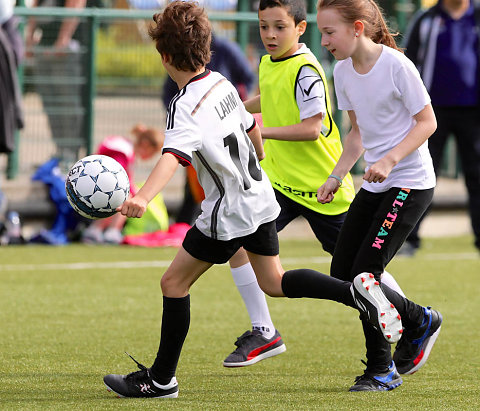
(252, 105)
(156, 181)
(307, 130)
(352, 150)
(423, 129)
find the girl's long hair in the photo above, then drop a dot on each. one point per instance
(369, 13)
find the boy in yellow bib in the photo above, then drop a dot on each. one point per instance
(302, 146)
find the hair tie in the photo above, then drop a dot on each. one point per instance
(336, 178)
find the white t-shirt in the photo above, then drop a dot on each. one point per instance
(207, 126)
(384, 101)
(310, 90)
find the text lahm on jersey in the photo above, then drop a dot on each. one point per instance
(226, 105)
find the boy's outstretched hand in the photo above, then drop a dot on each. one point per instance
(159, 176)
(133, 207)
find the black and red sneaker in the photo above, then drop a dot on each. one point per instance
(253, 347)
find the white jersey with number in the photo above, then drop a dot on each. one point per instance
(207, 127)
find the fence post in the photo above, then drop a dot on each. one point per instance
(242, 26)
(91, 82)
(314, 43)
(12, 158)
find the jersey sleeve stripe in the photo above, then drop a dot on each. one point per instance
(252, 126)
(172, 108)
(184, 159)
(206, 95)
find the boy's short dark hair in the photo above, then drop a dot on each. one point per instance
(295, 8)
(183, 32)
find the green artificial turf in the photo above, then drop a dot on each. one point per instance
(67, 314)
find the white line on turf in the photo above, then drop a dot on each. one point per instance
(163, 264)
(85, 266)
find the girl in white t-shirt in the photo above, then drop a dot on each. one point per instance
(392, 118)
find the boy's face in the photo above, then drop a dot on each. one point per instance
(278, 32)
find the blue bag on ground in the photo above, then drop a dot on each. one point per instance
(66, 220)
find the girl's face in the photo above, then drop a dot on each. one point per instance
(278, 32)
(338, 37)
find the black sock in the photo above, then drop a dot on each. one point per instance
(175, 324)
(412, 314)
(379, 352)
(313, 284)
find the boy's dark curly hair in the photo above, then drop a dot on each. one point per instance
(183, 32)
(295, 8)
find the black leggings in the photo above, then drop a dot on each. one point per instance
(376, 226)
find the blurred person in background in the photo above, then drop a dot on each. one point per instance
(443, 42)
(148, 141)
(58, 48)
(11, 113)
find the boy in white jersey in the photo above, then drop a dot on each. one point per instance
(208, 126)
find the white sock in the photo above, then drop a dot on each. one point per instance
(388, 280)
(254, 299)
(171, 384)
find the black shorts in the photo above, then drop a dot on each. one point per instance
(264, 241)
(325, 227)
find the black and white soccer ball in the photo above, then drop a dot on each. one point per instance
(96, 185)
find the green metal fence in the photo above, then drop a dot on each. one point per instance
(117, 78)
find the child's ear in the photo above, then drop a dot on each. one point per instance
(301, 27)
(359, 27)
(165, 58)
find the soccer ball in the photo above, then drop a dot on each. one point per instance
(96, 185)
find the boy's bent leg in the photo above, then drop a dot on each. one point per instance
(262, 250)
(263, 341)
(175, 324)
(159, 381)
(252, 295)
(182, 273)
(146, 383)
(313, 284)
(176, 281)
(269, 273)
(252, 346)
